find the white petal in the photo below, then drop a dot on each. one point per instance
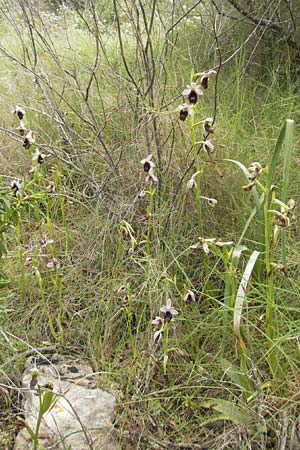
(186, 92)
(205, 247)
(198, 90)
(222, 244)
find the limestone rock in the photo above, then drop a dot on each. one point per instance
(81, 417)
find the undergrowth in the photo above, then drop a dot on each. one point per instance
(159, 244)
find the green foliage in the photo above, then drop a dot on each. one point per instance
(47, 400)
(92, 252)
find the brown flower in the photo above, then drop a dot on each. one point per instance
(208, 146)
(22, 129)
(151, 178)
(29, 139)
(205, 78)
(191, 92)
(185, 110)
(19, 111)
(148, 163)
(207, 125)
(190, 297)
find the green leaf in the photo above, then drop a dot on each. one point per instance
(241, 297)
(275, 156)
(287, 158)
(230, 411)
(47, 401)
(30, 431)
(237, 253)
(4, 282)
(2, 247)
(239, 378)
(286, 173)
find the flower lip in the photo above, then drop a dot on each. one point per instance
(183, 115)
(15, 184)
(28, 261)
(51, 187)
(45, 242)
(147, 166)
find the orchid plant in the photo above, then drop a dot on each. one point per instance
(162, 332)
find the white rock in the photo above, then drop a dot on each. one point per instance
(81, 417)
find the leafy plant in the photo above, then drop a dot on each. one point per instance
(47, 400)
